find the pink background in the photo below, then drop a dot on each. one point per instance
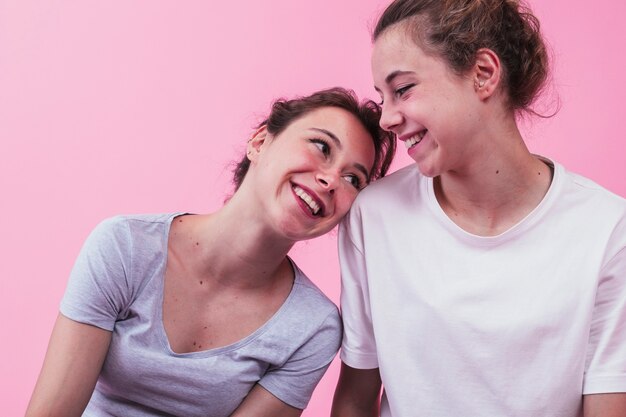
(130, 107)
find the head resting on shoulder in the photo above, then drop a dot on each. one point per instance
(456, 30)
(284, 112)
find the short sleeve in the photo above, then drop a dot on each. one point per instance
(606, 354)
(98, 289)
(294, 381)
(358, 349)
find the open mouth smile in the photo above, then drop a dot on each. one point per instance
(314, 205)
(415, 139)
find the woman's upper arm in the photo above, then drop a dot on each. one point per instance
(261, 403)
(357, 393)
(605, 405)
(71, 367)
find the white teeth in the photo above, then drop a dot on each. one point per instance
(415, 139)
(315, 208)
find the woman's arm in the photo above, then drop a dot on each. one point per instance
(261, 403)
(604, 405)
(70, 370)
(357, 393)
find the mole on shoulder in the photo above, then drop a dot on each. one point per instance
(498, 171)
(200, 282)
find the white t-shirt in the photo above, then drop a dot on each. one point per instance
(517, 325)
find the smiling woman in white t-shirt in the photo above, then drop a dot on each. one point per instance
(482, 281)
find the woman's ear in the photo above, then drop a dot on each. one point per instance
(256, 142)
(486, 72)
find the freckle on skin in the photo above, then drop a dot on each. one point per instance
(205, 327)
(180, 220)
(497, 172)
(200, 282)
(197, 243)
(194, 343)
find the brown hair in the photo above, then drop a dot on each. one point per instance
(284, 112)
(457, 29)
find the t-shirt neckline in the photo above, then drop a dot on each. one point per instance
(162, 335)
(524, 224)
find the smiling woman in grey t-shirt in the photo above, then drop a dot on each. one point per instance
(205, 315)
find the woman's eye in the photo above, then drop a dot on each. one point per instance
(353, 180)
(400, 91)
(322, 146)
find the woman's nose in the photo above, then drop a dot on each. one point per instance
(390, 117)
(327, 180)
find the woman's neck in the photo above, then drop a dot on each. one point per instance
(497, 189)
(232, 248)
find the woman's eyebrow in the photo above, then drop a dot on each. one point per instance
(330, 135)
(335, 139)
(389, 78)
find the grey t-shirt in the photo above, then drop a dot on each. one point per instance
(117, 285)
